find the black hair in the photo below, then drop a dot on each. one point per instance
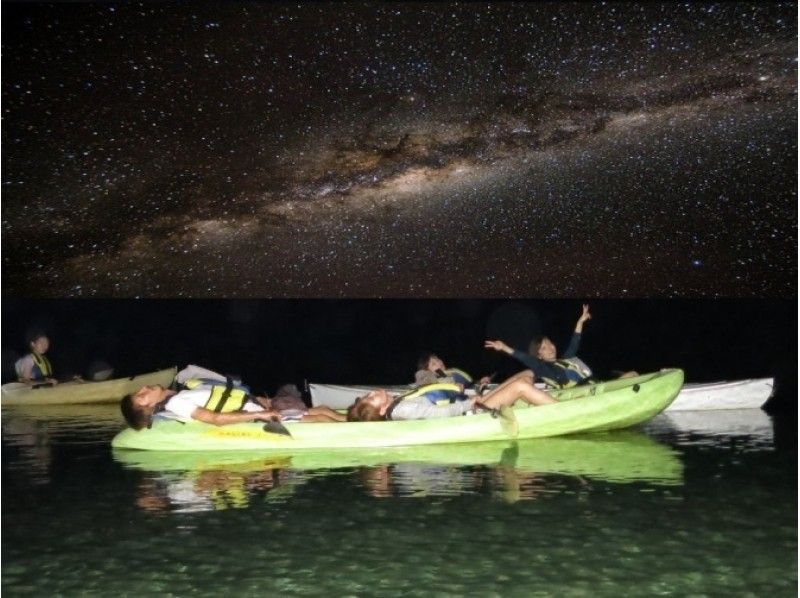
(424, 360)
(136, 417)
(536, 342)
(34, 335)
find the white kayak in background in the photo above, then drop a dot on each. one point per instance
(737, 394)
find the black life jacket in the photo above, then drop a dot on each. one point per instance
(575, 370)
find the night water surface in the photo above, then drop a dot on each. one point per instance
(690, 504)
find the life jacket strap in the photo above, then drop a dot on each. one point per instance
(43, 364)
(226, 394)
(393, 404)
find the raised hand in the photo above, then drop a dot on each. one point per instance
(585, 316)
(498, 346)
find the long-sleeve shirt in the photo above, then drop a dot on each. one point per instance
(553, 371)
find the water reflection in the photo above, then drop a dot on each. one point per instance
(30, 432)
(747, 428)
(211, 490)
(514, 471)
(84, 422)
(511, 471)
(598, 515)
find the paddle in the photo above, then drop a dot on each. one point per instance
(481, 388)
(276, 427)
(508, 421)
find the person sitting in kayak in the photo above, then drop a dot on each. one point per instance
(431, 369)
(379, 405)
(565, 372)
(213, 401)
(35, 366)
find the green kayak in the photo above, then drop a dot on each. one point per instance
(608, 405)
(619, 456)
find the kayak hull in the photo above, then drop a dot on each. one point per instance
(79, 392)
(606, 406)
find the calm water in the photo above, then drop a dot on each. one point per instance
(684, 506)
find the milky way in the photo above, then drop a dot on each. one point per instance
(551, 150)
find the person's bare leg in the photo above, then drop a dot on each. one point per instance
(508, 394)
(525, 375)
(630, 374)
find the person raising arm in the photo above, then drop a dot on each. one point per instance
(541, 359)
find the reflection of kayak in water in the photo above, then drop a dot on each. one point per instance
(752, 423)
(625, 456)
(79, 414)
(596, 407)
(84, 423)
(77, 392)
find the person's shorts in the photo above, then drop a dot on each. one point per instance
(292, 415)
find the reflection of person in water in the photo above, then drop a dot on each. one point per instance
(377, 480)
(32, 440)
(415, 480)
(214, 489)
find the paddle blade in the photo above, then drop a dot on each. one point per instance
(276, 428)
(509, 421)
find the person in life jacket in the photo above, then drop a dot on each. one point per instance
(564, 372)
(431, 369)
(380, 405)
(35, 366)
(438, 393)
(213, 399)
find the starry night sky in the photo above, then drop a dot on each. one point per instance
(399, 150)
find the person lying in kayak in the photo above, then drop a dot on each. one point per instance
(288, 400)
(431, 369)
(565, 372)
(214, 401)
(379, 405)
(35, 366)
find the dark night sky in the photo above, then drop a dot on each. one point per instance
(399, 150)
(270, 342)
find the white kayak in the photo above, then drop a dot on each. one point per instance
(737, 394)
(79, 392)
